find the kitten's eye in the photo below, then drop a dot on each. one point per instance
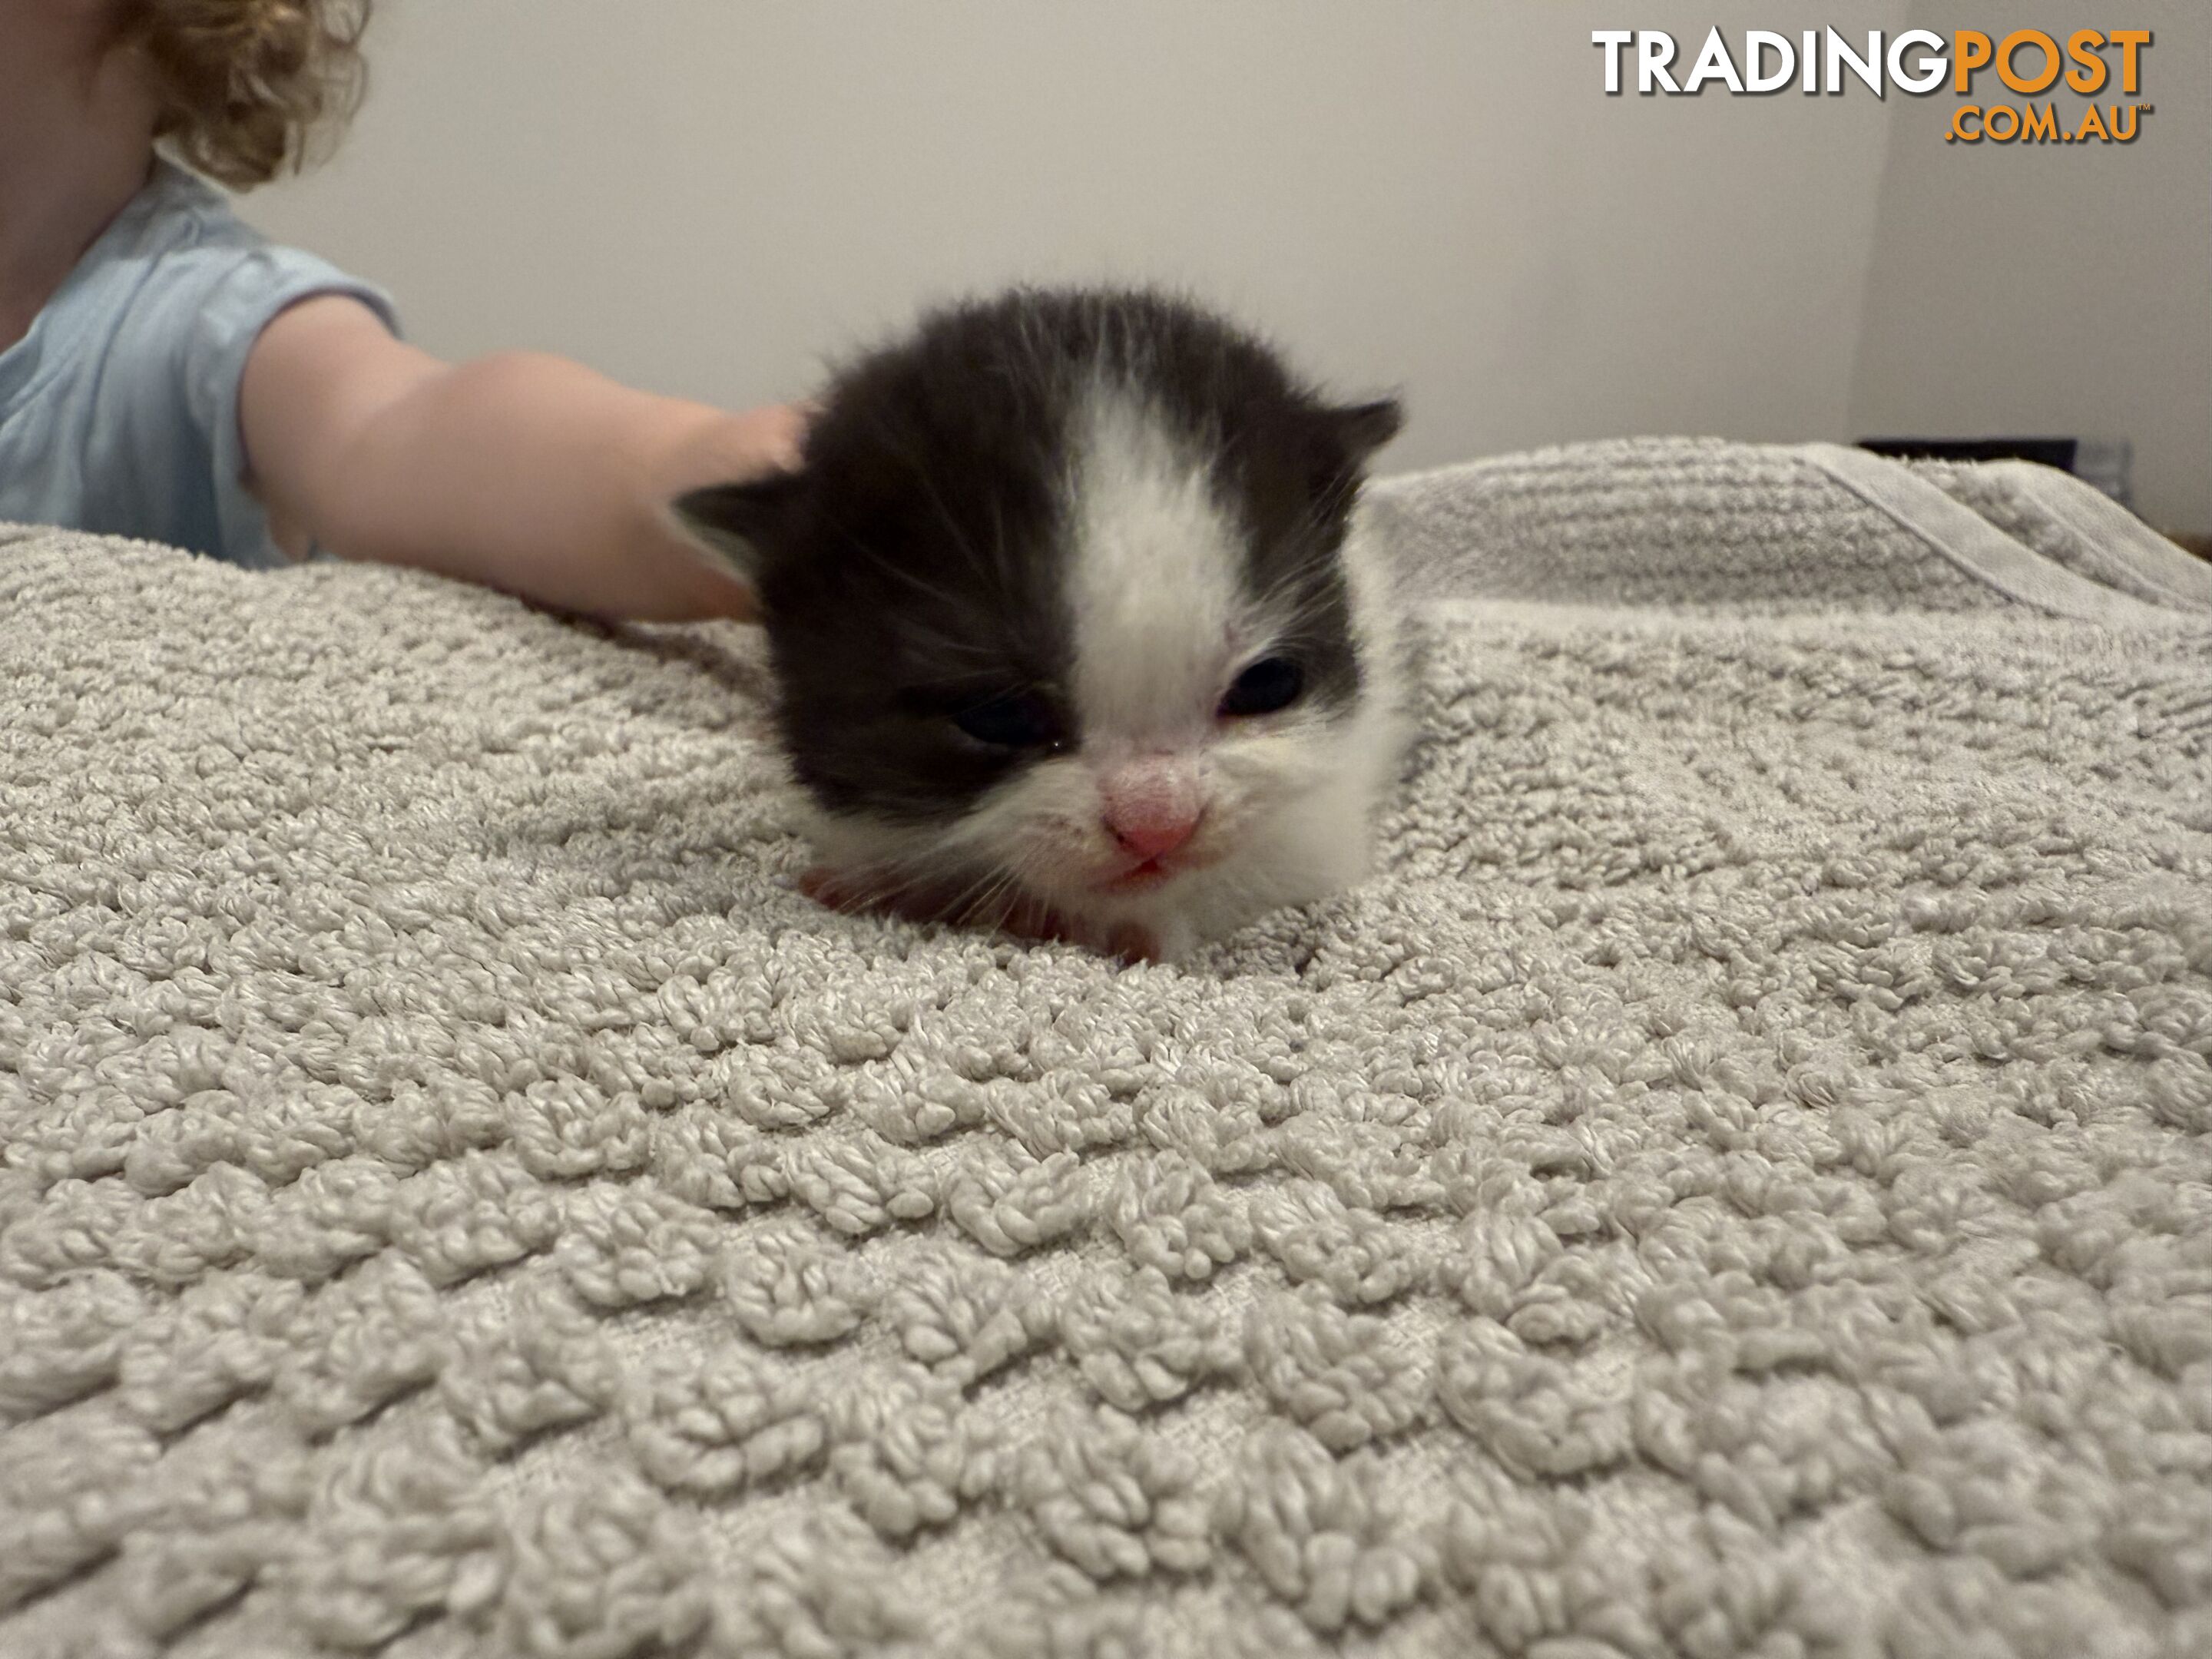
(1269, 684)
(1017, 719)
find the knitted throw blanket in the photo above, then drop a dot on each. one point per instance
(1735, 1182)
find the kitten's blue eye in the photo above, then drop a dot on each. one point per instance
(1017, 719)
(1269, 684)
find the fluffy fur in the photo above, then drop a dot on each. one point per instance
(1101, 507)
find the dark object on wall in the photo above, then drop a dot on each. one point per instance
(2200, 545)
(2052, 452)
(2104, 464)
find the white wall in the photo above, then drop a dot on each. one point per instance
(2065, 288)
(709, 196)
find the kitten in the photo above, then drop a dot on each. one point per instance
(1071, 626)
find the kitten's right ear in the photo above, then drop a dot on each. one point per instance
(740, 526)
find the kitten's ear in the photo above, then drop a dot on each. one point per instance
(1344, 439)
(1365, 428)
(739, 526)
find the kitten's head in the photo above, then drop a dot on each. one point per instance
(1061, 600)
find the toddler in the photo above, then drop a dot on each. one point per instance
(166, 373)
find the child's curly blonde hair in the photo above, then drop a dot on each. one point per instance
(246, 84)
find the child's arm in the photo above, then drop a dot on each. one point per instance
(523, 472)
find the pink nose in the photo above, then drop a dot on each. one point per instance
(1150, 829)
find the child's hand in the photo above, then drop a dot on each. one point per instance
(730, 449)
(766, 440)
(524, 472)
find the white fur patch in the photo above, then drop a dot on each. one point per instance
(1153, 582)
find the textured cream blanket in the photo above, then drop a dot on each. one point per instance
(1737, 1182)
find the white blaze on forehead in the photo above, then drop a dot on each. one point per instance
(1153, 582)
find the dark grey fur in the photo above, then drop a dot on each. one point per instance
(917, 565)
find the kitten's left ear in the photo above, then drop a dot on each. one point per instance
(1365, 428)
(1344, 440)
(740, 527)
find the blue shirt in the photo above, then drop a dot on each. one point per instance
(119, 411)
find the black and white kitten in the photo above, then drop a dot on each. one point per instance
(1072, 626)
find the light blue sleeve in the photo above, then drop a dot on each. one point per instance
(119, 407)
(251, 289)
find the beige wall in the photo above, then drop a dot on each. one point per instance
(708, 197)
(2063, 288)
